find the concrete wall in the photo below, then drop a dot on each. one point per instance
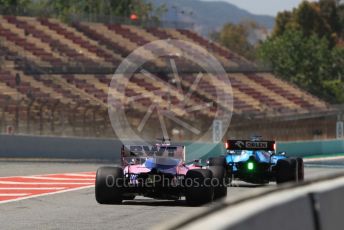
(59, 147)
(298, 148)
(305, 148)
(331, 205)
(13, 146)
(109, 149)
(295, 214)
(313, 206)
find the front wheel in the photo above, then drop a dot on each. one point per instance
(108, 189)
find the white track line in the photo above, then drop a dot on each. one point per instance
(323, 159)
(19, 188)
(45, 194)
(46, 183)
(56, 178)
(80, 175)
(55, 174)
(324, 166)
(14, 194)
(72, 173)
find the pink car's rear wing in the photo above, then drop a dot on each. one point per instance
(143, 151)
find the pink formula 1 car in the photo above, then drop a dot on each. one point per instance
(158, 171)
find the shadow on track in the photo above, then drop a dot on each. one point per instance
(247, 185)
(152, 202)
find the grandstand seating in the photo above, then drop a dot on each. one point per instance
(211, 46)
(77, 38)
(41, 42)
(21, 44)
(185, 62)
(229, 62)
(55, 46)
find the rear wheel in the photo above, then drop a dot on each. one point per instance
(217, 161)
(198, 188)
(285, 170)
(300, 169)
(128, 197)
(294, 169)
(217, 166)
(107, 188)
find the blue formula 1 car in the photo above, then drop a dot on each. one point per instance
(255, 161)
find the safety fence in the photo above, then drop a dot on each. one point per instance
(34, 116)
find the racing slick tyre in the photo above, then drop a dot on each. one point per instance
(128, 197)
(107, 189)
(300, 169)
(198, 189)
(285, 170)
(217, 166)
(294, 169)
(217, 161)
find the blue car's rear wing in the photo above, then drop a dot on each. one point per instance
(250, 145)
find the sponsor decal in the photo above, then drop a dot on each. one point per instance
(154, 151)
(240, 144)
(256, 145)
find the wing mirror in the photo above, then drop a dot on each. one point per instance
(282, 153)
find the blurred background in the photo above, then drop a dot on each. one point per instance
(286, 68)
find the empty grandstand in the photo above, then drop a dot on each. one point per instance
(54, 80)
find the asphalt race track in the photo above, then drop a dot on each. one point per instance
(78, 209)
